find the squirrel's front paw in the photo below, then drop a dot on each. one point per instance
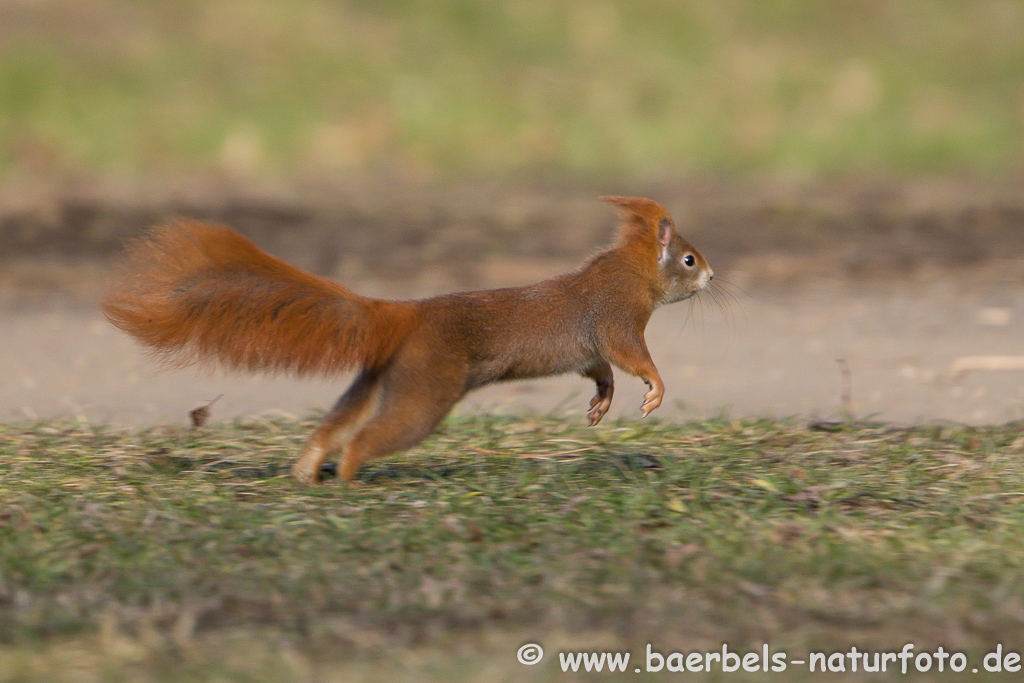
(601, 402)
(598, 407)
(652, 399)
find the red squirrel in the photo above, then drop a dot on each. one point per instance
(196, 292)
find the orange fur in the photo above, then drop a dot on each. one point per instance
(199, 292)
(196, 292)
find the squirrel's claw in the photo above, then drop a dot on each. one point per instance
(599, 405)
(652, 399)
(597, 412)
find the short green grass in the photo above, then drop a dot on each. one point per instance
(168, 554)
(595, 87)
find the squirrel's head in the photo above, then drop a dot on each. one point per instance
(682, 270)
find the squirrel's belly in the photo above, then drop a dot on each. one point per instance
(535, 367)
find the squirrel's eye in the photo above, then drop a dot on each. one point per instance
(688, 259)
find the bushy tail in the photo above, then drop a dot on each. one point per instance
(194, 292)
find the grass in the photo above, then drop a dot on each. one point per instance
(170, 554)
(447, 87)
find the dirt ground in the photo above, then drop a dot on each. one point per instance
(899, 281)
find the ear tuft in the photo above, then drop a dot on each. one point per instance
(637, 207)
(620, 202)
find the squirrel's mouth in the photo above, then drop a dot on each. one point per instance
(687, 295)
(703, 284)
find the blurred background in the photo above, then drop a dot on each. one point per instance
(588, 89)
(847, 167)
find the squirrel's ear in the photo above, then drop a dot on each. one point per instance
(665, 230)
(614, 201)
(645, 215)
(627, 205)
(637, 207)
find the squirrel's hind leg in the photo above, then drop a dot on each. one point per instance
(354, 409)
(411, 406)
